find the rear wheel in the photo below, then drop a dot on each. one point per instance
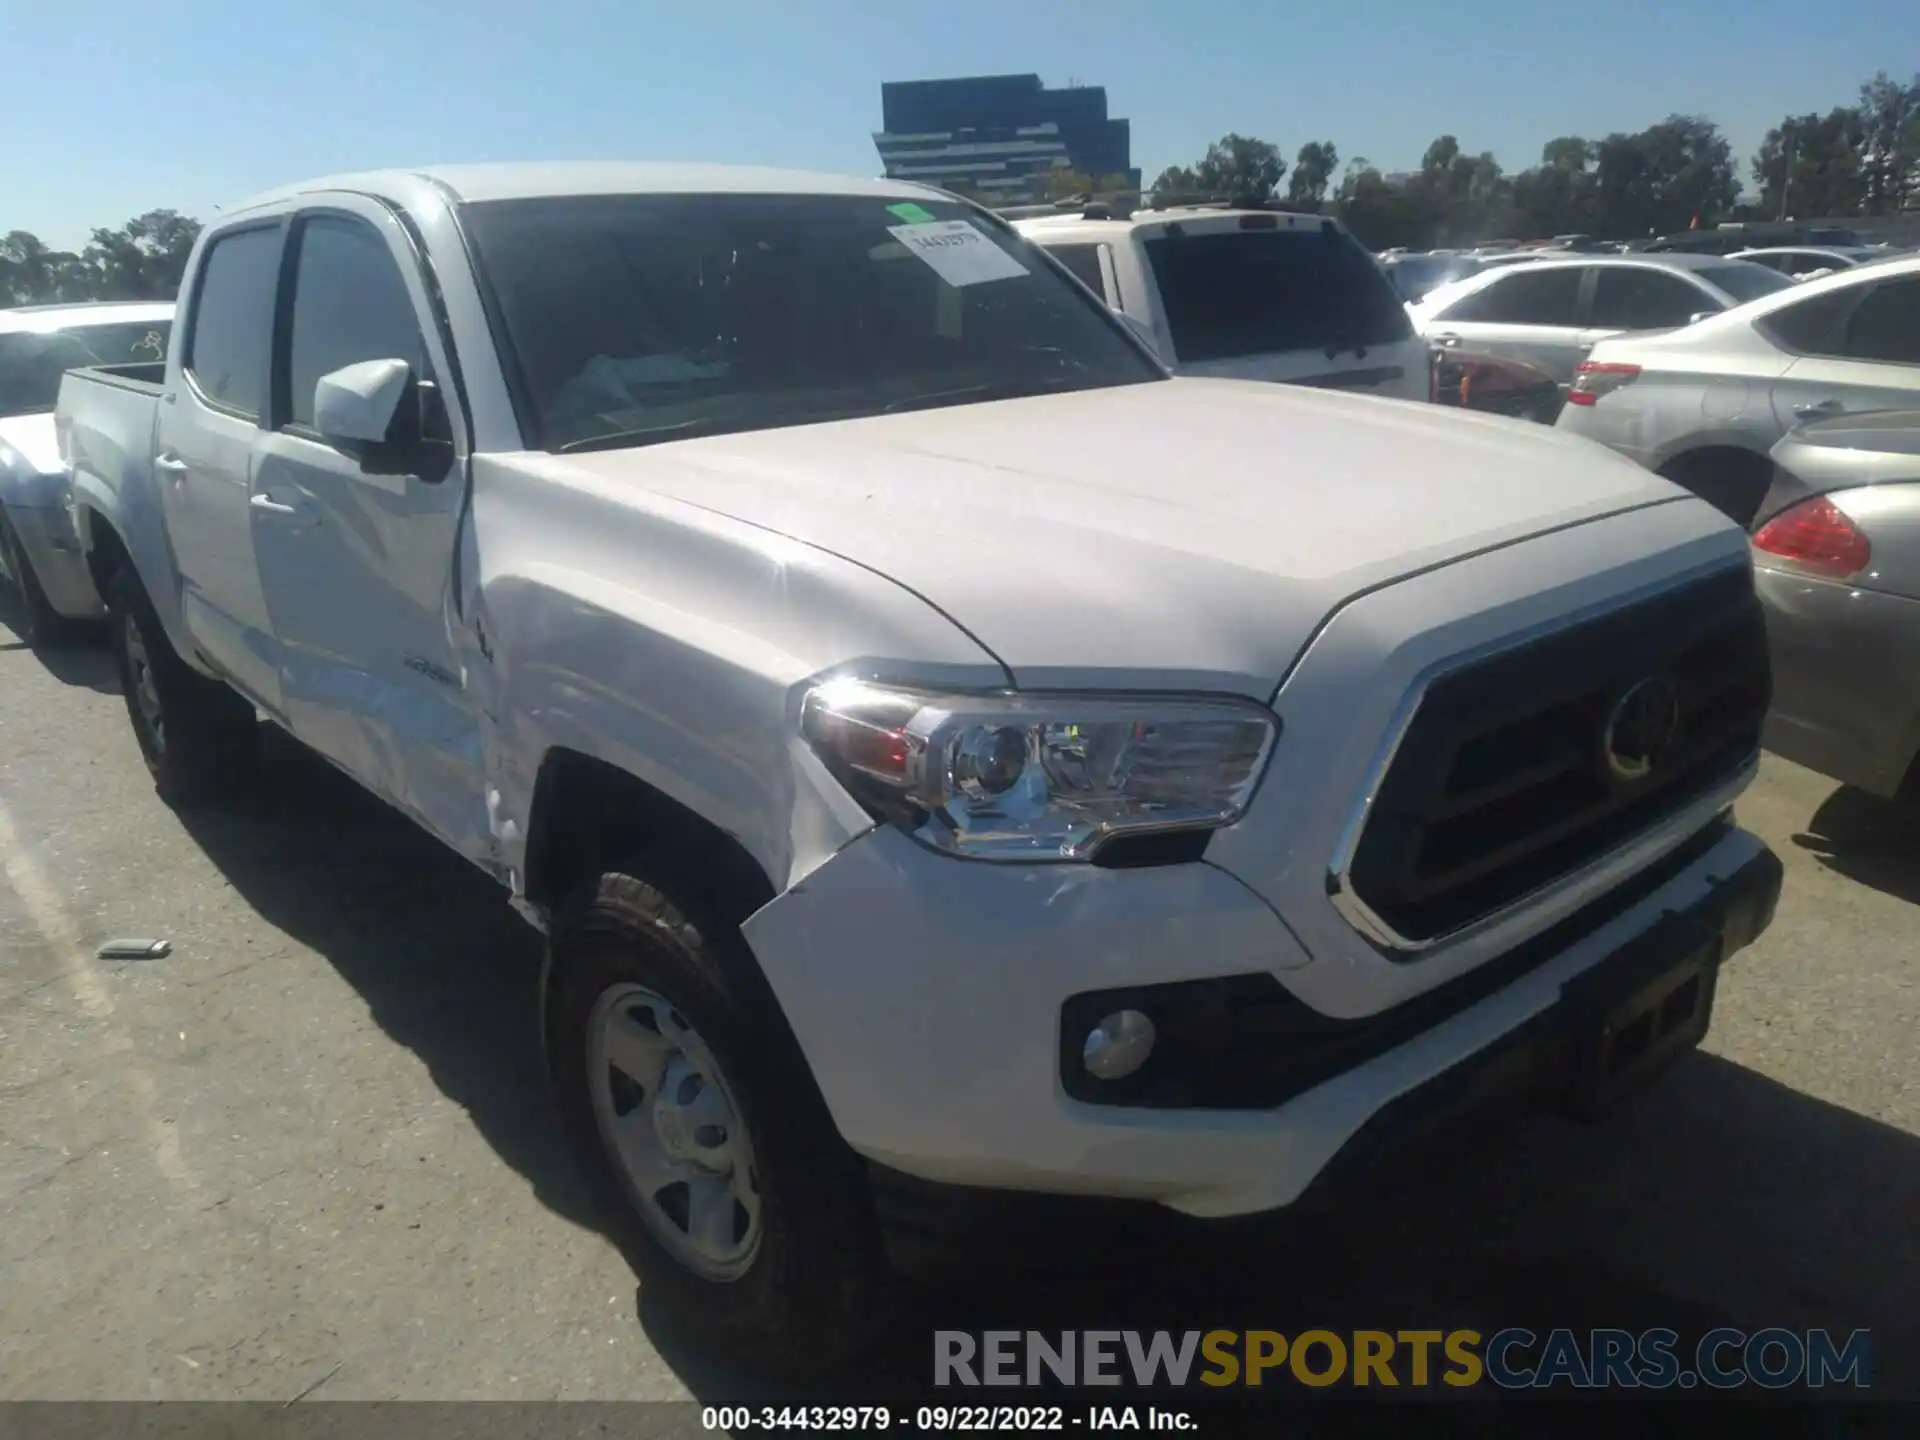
(198, 738)
(38, 623)
(717, 1162)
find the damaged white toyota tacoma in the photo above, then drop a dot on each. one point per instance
(947, 755)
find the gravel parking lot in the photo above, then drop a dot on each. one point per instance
(309, 1152)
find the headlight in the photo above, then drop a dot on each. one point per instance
(1039, 777)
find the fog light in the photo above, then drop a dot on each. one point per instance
(1118, 1045)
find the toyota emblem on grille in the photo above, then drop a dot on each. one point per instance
(1640, 728)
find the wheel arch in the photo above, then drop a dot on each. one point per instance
(1732, 477)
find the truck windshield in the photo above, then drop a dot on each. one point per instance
(32, 361)
(637, 318)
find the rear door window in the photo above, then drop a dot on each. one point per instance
(1524, 296)
(1235, 293)
(233, 320)
(1627, 297)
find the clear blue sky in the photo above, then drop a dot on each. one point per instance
(110, 109)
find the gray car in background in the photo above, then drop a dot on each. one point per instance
(1548, 313)
(1836, 550)
(1801, 262)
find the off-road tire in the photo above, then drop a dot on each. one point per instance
(207, 744)
(816, 1290)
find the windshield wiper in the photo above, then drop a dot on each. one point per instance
(653, 434)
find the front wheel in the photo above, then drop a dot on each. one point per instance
(197, 737)
(714, 1155)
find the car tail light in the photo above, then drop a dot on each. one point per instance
(1816, 535)
(1592, 379)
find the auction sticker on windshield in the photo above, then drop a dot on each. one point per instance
(958, 253)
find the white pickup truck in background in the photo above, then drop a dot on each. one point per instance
(942, 748)
(40, 557)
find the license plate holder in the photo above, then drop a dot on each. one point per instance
(1627, 1034)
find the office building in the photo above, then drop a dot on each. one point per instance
(1000, 135)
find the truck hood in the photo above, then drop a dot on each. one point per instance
(1190, 533)
(32, 440)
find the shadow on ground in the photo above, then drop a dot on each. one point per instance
(1718, 1197)
(79, 657)
(445, 966)
(1865, 838)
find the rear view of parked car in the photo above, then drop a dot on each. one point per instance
(1248, 295)
(1704, 405)
(1836, 551)
(1550, 313)
(41, 564)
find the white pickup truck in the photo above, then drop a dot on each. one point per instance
(947, 754)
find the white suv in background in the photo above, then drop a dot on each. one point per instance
(1247, 294)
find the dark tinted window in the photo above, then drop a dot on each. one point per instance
(1258, 292)
(1813, 327)
(1084, 262)
(349, 304)
(233, 318)
(1742, 281)
(1887, 324)
(1629, 298)
(635, 318)
(1527, 296)
(32, 362)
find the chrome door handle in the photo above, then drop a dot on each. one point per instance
(1819, 407)
(1447, 342)
(170, 465)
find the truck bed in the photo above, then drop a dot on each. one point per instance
(141, 376)
(105, 421)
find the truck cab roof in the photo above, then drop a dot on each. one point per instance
(548, 179)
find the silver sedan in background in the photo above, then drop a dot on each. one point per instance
(1836, 550)
(1548, 313)
(1703, 404)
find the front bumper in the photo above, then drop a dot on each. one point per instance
(1846, 679)
(53, 549)
(928, 994)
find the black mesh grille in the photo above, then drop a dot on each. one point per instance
(1502, 783)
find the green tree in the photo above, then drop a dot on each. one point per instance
(1556, 197)
(1890, 143)
(1664, 177)
(1241, 167)
(1313, 171)
(144, 259)
(1813, 165)
(1381, 214)
(1174, 180)
(1467, 194)
(33, 274)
